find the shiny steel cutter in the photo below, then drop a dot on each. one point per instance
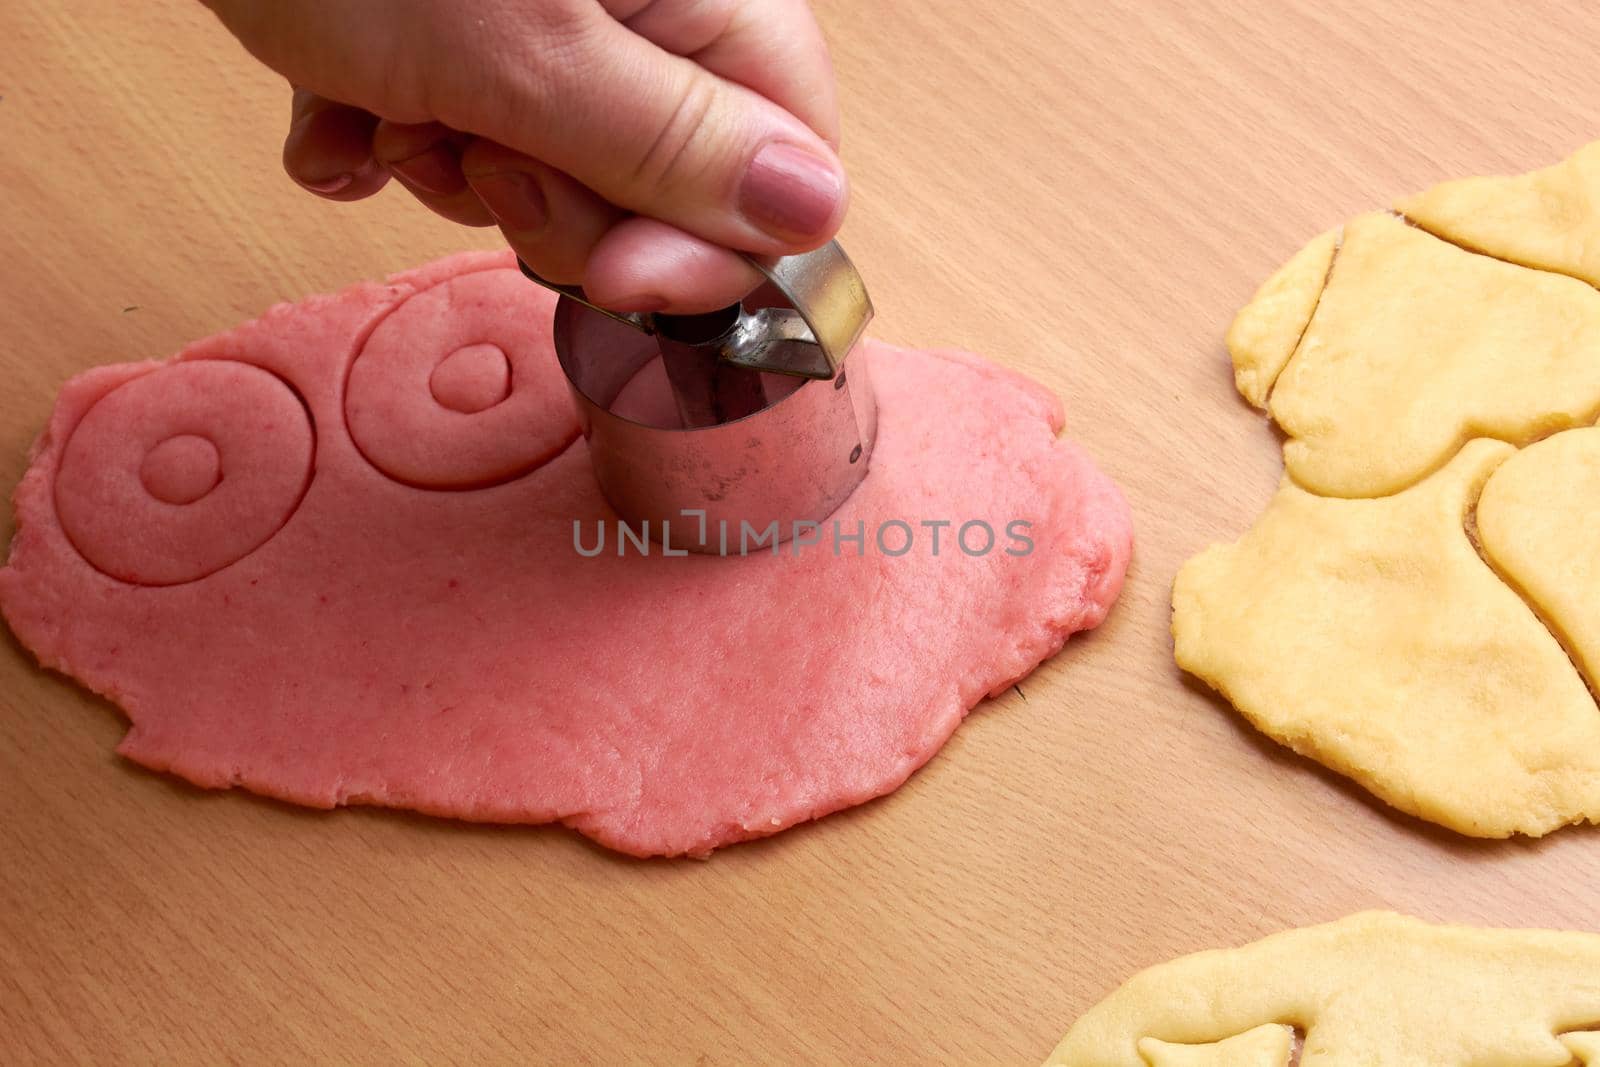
(765, 424)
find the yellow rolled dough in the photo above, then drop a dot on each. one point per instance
(1586, 1047)
(1417, 346)
(1369, 635)
(1536, 521)
(1264, 335)
(1357, 623)
(1271, 1045)
(1373, 990)
(1544, 220)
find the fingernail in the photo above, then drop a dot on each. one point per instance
(328, 186)
(436, 169)
(641, 302)
(790, 192)
(514, 199)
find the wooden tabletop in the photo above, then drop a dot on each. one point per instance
(1083, 189)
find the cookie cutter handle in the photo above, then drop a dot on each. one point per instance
(826, 290)
(828, 311)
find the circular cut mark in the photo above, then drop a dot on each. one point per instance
(421, 404)
(181, 469)
(179, 473)
(472, 379)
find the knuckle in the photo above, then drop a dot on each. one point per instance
(677, 157)
(523, 54)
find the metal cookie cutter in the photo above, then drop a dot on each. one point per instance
(746, 414)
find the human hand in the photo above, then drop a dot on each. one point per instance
(630, 146)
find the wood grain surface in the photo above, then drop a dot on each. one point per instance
(1083, 189)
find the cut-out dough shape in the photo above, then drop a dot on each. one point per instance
(1371, 989)
(1271, 1045)
(1416, 347)
(183, 469)
(1265, 334)
(1372, 655)
(1544, 220)
(449, 651)
(1369, 635)
(1536, 520)
(472, 379)
(453, 392)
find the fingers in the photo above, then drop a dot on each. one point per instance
(645, 265)
(569, 235)
(561, 229)
(661, 136)
(549, 219)
(772, 46)
(328, 150)
(426, 159)
(716, 117)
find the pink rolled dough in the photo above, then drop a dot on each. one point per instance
(329, 556)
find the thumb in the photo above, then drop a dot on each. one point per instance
(660, 135)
